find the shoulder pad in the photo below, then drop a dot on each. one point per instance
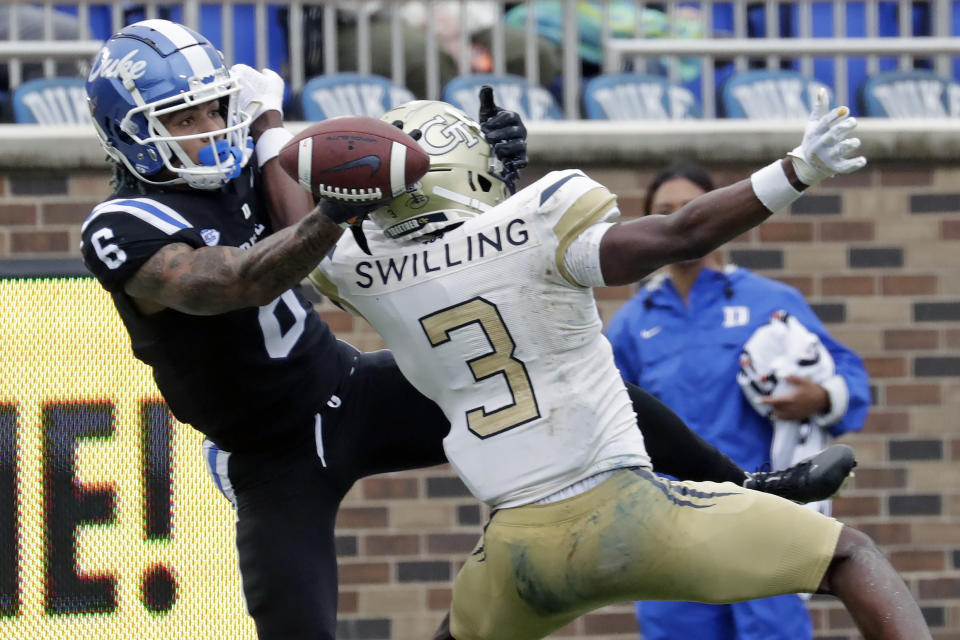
(551, 183)
(156, 214)
(570, 202)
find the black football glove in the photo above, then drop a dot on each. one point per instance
(344, 213)
(505, 132)
(350, 216)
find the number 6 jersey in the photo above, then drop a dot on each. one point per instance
(242, 377)
(490, 322)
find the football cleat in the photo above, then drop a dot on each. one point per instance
(818, 477)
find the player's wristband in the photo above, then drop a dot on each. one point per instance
(270, 143)
(773, 188)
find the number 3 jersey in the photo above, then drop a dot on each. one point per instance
(242, 377)
(489, 321)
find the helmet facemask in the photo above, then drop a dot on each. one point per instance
(137, 80)
(462, 181)
(228, 149)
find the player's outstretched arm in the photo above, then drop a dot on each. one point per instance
(632, 250)
(261, 96)
(212, 280)
(288, 201)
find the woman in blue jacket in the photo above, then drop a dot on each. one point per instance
(680, 339)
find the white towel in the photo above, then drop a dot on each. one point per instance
(784, 347)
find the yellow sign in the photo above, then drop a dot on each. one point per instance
(110, 527)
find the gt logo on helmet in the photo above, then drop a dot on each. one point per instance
(453, 133)
(462, 181)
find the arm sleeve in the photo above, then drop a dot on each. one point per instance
(848, 389)
(569, 208)
(582, 259)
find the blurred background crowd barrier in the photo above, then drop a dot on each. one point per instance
(549, 59)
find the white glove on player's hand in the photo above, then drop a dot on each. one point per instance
(826, 150)
(260, 91)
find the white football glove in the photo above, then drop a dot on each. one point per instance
(260, 91)
(826, 150)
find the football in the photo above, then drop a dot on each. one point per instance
(354, 159)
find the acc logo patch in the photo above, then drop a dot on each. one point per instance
(210, 237)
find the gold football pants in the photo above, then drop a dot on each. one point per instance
(636, 536)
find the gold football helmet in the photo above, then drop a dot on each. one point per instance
(462, 181)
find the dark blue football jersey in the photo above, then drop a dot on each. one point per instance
(243, 377)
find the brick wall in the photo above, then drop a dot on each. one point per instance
(878, 256)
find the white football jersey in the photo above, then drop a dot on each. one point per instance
(488, 323)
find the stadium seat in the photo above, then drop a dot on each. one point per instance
(769, 94)
(350, 94)
(51, 101)
(511, 92)
(910, 94)
(632, 96)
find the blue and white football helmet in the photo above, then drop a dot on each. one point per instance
(153, 68)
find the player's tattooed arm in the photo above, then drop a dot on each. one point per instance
(212, 280)
(261, 97)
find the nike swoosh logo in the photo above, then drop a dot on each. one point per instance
(649, 333)
(371, 161)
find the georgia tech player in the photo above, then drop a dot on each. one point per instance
(202, 246)
(486, 301)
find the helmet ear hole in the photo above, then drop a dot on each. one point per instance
(484, 182)
(126, 139)
(111, 127)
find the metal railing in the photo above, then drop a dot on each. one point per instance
(619, 51)
(39, 32)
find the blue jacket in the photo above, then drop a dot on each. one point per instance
(689, 357)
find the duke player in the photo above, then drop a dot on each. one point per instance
(487, 303)
(192, 247)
